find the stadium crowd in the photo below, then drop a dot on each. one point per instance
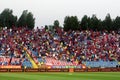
(71, 46)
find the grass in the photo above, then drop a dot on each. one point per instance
(61, 76)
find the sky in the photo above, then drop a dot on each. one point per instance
(46, 11)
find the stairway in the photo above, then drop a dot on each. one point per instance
(31, 60)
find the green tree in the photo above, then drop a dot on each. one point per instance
(94, 23)
(100, 27)
(22, 19)
(107, 23)
(56, 23)
(116, 23)
(30, 21)
(7, 19)
(84, 22)
(71, 23)
(46, 27)
(26, 20)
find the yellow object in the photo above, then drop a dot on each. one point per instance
(42, 63)
(39, 64)
(119, 63)
(61, 44)
(68, 52)
(31, 60)
(77, 61)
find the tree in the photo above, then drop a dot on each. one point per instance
(84, 22)
(7, 19)
(107, 23)
(94, 23)
(22, 19)
(71, 23)
(56, 23)
(46, 27)
(116, 23)
(26, 20)
(30, 21)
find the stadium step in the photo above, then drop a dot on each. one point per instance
(31, 60)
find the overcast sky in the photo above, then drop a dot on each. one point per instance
(46, 11)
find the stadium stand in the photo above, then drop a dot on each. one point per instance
(59, 48)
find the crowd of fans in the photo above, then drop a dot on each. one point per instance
(71, 46)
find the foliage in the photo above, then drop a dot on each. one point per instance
(92, 23)
(26, 20)
(71, 23)
(30, 21)
(56, 23)
(7, 19)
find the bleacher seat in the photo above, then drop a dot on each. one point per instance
(101, 63)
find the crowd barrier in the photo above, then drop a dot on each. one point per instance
(62, 70)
